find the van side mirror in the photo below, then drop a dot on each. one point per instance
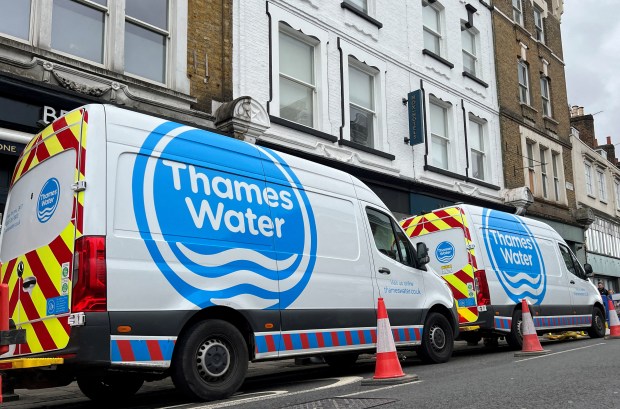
(422, 252)
(589, 270)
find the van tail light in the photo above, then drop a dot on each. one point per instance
(89, 275)
(482, 288)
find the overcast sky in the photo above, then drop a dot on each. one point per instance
(591, 42)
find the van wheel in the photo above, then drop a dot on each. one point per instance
(110, 387)
(515, 337)
(437, 340)
(597, 330)
(341, 361)
(210, 361)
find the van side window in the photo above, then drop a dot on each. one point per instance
(390, 240)
(572, 264)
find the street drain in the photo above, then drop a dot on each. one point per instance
(342, 403)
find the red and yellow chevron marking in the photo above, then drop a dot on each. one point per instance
(45, 333)
(445, 219)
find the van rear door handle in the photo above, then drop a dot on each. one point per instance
(29, 283)
(572, 281)
(384, 270)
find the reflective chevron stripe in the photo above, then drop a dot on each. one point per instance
(462, 281)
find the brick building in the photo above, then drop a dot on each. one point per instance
(534, 114)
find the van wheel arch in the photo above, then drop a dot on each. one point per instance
(441, 309)
(514, 338)
(229, 315)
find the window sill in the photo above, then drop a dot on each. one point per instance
(475, 79)
(361, 14)
(366, 149)
(549, 119)
(438, 58)
(603, 201)
(482, 183)
(302, 128)
(445, 172)
(591, 196)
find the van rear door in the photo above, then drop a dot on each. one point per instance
(452, 254)
(42, 218)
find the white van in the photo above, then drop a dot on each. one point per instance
(137, 248)
(492, 260)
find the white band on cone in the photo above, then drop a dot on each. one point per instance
(385, 341)
(528, 324)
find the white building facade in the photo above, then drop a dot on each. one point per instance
(598, 182)
(334, 78)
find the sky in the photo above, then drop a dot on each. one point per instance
(591, 43)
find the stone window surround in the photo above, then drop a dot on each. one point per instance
(302, 28)
(377, 67)
(528, 136)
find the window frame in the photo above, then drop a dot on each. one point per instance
(175, 76)
(517, 12)
(602, 184)
(556, 175)
(446, 108)
(286, 30)
(526, 85)
(482, 126)
(377, 67)
(530, 164)
(474, 39)
(355, 64)
(354, 4)
(298, 25)
(617, 187)
(438, 8)
(545, 95)
(588, 179)
(544, 178)
(539, 18)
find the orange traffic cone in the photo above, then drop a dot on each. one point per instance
(614, 322)
(387, 369)
(531, 344)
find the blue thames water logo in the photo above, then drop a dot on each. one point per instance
(444, 253)
(515, 256)
(48, 200)
(220, 232)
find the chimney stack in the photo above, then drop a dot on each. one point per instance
(584, 124)
(610, 150)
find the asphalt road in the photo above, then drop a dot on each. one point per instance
(578, 373)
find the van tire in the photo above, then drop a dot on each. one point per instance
(515, 337)
(341, 361)
(597, 330)
(437, 340)
(210, 361)
(110, 387)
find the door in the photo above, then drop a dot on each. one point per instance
(452, 254)
(42, 219)
(579, 288)
(398, 280)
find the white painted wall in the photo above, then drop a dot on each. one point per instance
(396, 49)
(581, 154)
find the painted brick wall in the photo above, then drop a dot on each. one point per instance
(398, 44)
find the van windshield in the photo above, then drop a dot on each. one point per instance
(39, 206)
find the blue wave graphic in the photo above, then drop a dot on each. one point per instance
(232, 278)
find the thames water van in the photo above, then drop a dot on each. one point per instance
(492, 260)
(136, 248)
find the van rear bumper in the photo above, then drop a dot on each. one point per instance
(89, 344)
